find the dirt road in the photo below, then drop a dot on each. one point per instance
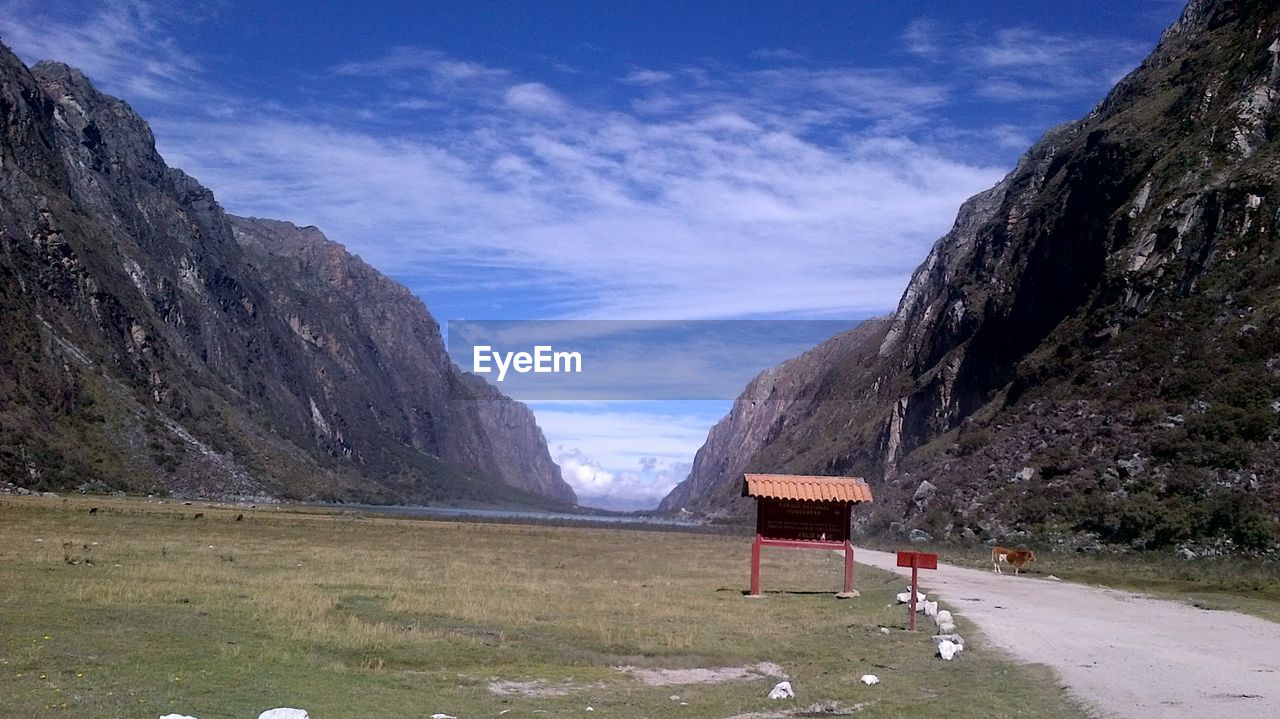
(1125, 654)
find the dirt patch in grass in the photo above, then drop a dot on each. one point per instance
(537, 688)
(704, 675)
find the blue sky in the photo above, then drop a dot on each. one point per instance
(606, 160)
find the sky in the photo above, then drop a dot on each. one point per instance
(606, 160)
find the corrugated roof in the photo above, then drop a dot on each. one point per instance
(816, 489)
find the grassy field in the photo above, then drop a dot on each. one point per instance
(1234, 584)
(149, 611)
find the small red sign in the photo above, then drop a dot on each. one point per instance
(919, 560)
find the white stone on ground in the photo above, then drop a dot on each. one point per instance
(905, 597)
(947, 649)
(782, 690)
(869, 679)
(176, 716)
(284, 713)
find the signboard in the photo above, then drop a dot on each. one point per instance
(919, 560)
(803, 521)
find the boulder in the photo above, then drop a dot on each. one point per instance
(919, 536)
(947, 649)
(926, 490)
(781, 690)
(284, 713)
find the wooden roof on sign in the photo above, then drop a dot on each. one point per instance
(808, 488)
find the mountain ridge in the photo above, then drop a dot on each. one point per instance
(1113, 297)
(151, 342)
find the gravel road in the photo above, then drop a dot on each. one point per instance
(1124, 654)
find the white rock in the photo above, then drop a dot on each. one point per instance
(943, 617)
(284, 713)
(930, 609)
(869, 679)
(442, 715)
(176, 716)
(947, 649)
(947, 628)
(905, 597)
(782, 690)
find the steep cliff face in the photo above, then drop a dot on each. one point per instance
(382, 363)
(143, 347)
(1115, 294)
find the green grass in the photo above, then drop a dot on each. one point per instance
(348, 617)
(1250, 586)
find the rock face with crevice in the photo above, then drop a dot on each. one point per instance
(1115, 296)
(151, 342)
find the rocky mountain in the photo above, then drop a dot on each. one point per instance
(151, 342)
(1092, 354)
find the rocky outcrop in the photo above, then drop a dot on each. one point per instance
(151, 342)
(371, 339)
(1123, 271)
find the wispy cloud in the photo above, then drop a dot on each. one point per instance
(682, 212)
(777, 53)
(642, 76)
(123, 40)
(422, 64)
(1020, 64)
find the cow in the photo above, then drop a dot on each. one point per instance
(1017, 558)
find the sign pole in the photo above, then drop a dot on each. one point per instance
(848, 566)
(915, 584)
(755, 566)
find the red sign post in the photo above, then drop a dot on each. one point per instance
(917, 561)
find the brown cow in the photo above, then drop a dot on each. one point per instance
(1018, 558)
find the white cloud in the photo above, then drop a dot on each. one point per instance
(1020, 64)
(423, 63)
(642, 487)
(698, 208)
(777, 53)
(641, 76)
(121, 44)
(535, 98)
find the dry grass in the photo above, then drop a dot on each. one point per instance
(350, 616)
